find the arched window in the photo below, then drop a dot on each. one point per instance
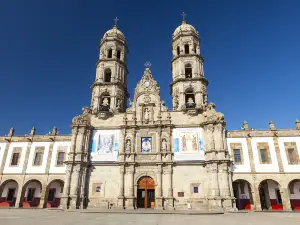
(119, 54)
(190, 99)
(109, 53)
(105, 102)
(188, 71)
(186, 49)
(107, 75)
(178, 50)
(195, 48)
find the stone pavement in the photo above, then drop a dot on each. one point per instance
(45, 217)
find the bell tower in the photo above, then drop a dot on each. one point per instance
(109, 91)
(188, 87)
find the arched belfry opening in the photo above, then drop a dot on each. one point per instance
(186, 49)
(178, 50)
(105, 102)
(190, 99)
(109, 53)
(146, 193)
(188, 70)
(107, 75)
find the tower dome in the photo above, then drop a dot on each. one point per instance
(114, 32)
(185, 28)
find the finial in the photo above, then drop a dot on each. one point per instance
(245, 125)
(32, 132)
(11, 132)
(271, 125)
(147, 64)
(297, 124)
(183, 17)
(116, 22)
(54, 131)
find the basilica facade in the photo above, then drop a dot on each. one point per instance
(144, 155)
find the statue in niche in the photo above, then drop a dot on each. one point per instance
(190, 101)
(105, 102)
(146, 114)
(128, 146)
(119, 103)
(164, 145)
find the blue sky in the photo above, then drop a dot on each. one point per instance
(48, 52)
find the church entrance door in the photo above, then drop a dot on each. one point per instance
(146, 193)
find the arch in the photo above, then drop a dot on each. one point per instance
(188, 71)
(294, 194)
(178, 50)
(186, 49)
(146, 192)
(107, 75)
(242, 190)
(31, 193)
(105, 102)
(8, 192)
(53, 193)
(270, 195)
(190, 98)
(119, 54)
(109, 53)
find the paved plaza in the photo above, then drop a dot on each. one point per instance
(32, 217)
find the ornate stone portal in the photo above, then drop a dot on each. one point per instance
(182, 152)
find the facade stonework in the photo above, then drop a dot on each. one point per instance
(144, 155)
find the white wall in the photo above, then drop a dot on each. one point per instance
(2, 149)
(273, 167)
(53, 167)
(272, 187)
(9, 185)
(296, 194)
(19, 168)
(240, 168)
(42, 168)
(286, 166)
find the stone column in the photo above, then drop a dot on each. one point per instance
(256, 198)
(19, 197)
(198, 99)
(158, 192)
(43, 196)
(214, 199)
(285, 199)
(121, 192)
(158, 151)
(74, 186)
(66, 192)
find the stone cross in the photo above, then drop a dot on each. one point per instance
(116, 21)
(183, 16)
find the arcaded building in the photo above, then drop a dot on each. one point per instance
(140, 154)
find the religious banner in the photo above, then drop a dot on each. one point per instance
(188, 144)
(105, 145)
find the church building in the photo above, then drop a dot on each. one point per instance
(144, 155)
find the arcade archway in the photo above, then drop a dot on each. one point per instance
(146, 193)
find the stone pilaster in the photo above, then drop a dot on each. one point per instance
(130, 200)
(214, 199)
(278, 156)
(158, 197)
(121, 192)
(4, 159)
(170, 198)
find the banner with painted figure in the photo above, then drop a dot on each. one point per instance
(105, 145)
(188, 144)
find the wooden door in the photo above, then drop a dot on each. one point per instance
(146, 186)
